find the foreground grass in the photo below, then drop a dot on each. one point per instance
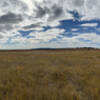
(50, 75)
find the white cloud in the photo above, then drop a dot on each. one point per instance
(47, 35)
(34, 14)
(94, 38)
(74, 29)
(90, 37)
(90, 25)
(19, 13)
(38, 37)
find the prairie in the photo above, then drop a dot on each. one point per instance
(50, 75)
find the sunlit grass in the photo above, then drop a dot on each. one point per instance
(50, 75)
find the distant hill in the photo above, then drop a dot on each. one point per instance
(83, 48)
(50, 49)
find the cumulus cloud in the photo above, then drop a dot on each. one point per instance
(34, 15)
(22, 11)
(90, 25)
(86, 38)
(37, 37)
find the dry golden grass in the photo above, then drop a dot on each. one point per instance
(50, 75)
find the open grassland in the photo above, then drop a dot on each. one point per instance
(50, 75)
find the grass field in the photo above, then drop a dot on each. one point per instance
(50, 75)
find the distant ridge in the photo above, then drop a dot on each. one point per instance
(61, 49)
(51, 49)
(87, 48)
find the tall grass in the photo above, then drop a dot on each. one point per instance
(50, 75)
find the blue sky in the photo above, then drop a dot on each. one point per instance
(49, 24)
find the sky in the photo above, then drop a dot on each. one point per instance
(27, 24)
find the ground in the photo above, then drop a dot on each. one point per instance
(50, 75)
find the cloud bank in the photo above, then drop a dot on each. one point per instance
(34, 21)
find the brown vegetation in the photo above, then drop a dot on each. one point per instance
(49, 75)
